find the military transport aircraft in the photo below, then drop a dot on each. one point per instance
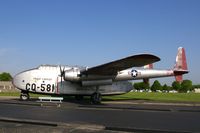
(107, 79)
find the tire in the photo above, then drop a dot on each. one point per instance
(24, 96)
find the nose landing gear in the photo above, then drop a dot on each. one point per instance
(24, 96)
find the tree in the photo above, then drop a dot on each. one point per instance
(137, 86)
(186, 85)
(166, 88)
(5, 77)
(141, 86)
(176, 85)
(156, 86)
(195, 87)
(144, 85)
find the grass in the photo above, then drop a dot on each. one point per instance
(9, 94)
(17, 94)
(163, 97)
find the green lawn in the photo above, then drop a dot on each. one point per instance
(164, 97)
(9, 94)
(17, 94)
(167, 97)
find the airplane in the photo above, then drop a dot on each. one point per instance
(107, 79)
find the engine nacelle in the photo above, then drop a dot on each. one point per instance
(97, 82)
(72, 75)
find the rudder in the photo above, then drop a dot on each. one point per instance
(181, 62)
(180, 67)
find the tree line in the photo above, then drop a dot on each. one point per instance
(184, 86)
(5, 76)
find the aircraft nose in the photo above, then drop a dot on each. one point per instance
(18, 81)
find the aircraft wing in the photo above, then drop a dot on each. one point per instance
(113, 67)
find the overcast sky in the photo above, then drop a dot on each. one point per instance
(92, 32)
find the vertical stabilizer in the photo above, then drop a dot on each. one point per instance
(149, 66)
(180, 67)
(181, 63)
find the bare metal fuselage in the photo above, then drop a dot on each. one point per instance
(107, 79)
(46, 79)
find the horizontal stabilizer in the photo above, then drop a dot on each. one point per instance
(180, 72)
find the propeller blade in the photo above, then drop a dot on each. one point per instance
(60, 69)
(62, 72)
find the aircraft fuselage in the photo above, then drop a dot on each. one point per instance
(106, 79)
(47, 79)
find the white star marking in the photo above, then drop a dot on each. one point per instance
(134, 73)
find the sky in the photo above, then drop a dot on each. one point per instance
(93, 32)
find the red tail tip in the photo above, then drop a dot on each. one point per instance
(181, 62)
(181, 65)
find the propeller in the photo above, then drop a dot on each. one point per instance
(62, 72)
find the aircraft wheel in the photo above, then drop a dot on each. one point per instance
(96, 98)
(24, 96)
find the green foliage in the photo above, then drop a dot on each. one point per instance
(176, 85)
(137, 86)
(145, 85)
(156, 86)
(195, 86)
(141, 86)
(186, 85)
(166, 88)
(5, 77)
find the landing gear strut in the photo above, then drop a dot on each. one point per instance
(24, 96)
(96, 98)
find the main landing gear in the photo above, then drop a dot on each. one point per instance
(24, 96)
(96, 98)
